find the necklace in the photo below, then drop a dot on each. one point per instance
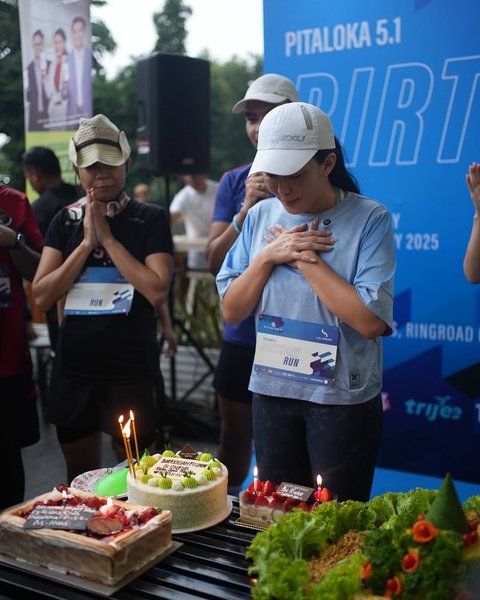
(339, 196)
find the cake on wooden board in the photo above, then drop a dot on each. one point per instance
(112, 539)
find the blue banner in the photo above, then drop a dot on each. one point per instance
(399, 79)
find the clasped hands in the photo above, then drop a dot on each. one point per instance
(473, 183)
(298, 244)
(96, 230)
(255, 190)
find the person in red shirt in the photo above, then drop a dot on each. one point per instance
(20, 245)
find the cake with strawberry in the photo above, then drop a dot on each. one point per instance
(263, 503)
(80, 534)
(190, 484)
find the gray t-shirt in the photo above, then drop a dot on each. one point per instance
(363, 255)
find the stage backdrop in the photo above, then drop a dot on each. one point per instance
(57, 67)
(399, 79)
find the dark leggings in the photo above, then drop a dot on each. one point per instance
(13, 487)
(297, 440)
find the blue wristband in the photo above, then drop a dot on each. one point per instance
(235, 225)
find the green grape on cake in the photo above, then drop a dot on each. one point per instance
(209, 474)
(168, 452)
(189, 482)
(205, 457)
(148, 461)
(165, 483)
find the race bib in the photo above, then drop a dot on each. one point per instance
(99, 291)
(296, 350)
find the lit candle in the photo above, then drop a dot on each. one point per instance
(319, 486)
(135, 436)
(122, 433)
(128, 450)
(120, 421)
(255, 479)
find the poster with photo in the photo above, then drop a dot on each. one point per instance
(57, 63)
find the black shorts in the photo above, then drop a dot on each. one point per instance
(80, 409)
(232, 373)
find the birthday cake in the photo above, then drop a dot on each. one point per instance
(417, 545)
(192, 485)
(264, 503)
(78, 533)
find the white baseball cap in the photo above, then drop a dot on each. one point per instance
(289, 136)
(271, 88)
(98, 140)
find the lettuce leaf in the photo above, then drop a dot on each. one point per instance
(340, 583)
(280, 554)
(472, 503)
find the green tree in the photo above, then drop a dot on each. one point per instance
(229, 146)
(170, 26)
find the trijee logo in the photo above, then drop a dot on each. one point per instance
(432, 411)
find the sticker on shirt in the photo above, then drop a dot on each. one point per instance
(5, 289)
(296, 350)
(99, 291)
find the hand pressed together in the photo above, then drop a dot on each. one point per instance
(96, 229)
(473, 183)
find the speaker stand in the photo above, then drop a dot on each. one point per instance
(180, 324)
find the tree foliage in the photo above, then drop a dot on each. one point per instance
(170, 24)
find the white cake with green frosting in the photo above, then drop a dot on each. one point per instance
(192, 485)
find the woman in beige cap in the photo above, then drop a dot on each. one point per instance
(107, 262)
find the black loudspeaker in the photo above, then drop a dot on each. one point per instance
(173, 134)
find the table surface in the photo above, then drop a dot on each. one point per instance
(181, 243)
(209, 564)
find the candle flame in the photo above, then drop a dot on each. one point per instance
(319, 480)
(120, 419)
(255, 472)
(131, 416)
(126, 429)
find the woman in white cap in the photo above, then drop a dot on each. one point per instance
(316, 266)
(108, 263)
(235, 196)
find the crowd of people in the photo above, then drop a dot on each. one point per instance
(101, 263)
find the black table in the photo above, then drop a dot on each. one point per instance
(210, 564)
